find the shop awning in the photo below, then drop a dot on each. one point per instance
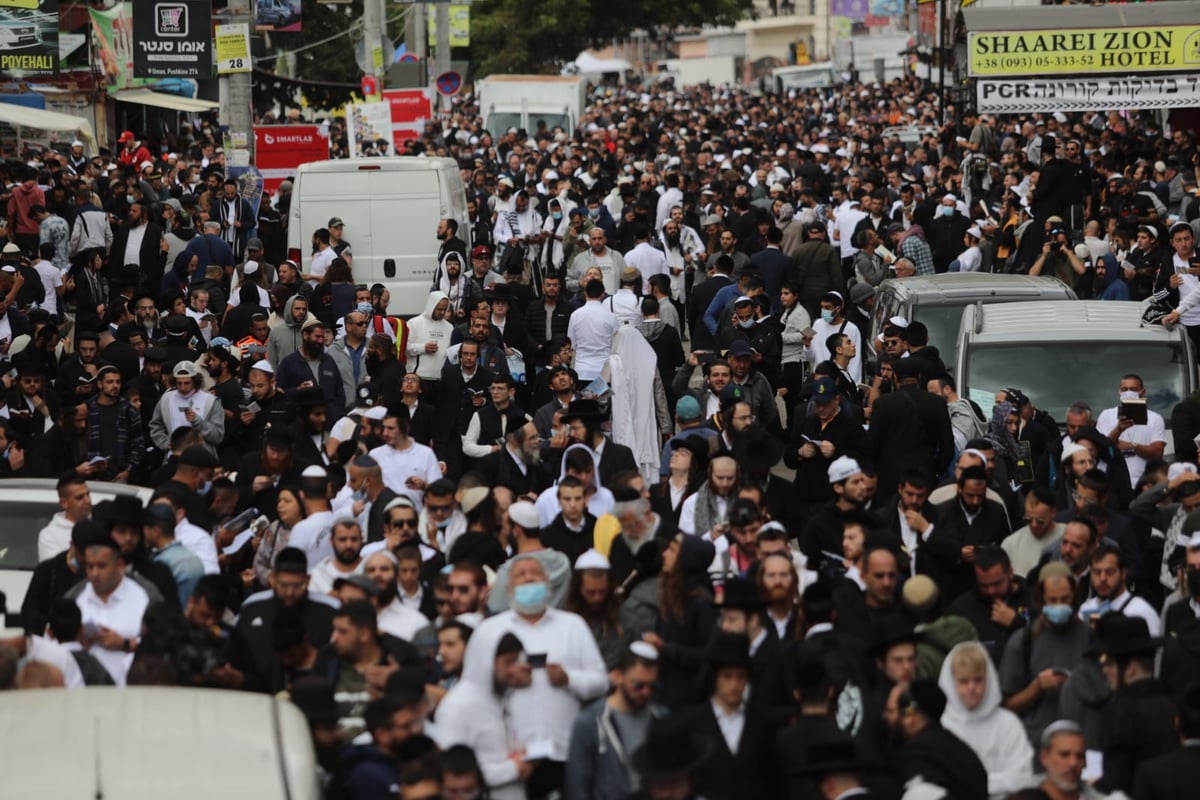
(174, 102)
(25, 117)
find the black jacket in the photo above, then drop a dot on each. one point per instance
(910, 429)
(725, 775)
(942, 551)
(253, 650)
(1175, 774)
(702, 295)
(942, 758)
(1140, 721)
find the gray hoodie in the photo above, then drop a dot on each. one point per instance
(285, 337)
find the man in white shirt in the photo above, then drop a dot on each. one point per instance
(1137, 443)
(322, 258)
(1110, 593)
(312, 534)
(111, 606)
(347, 543)
(565, 671)
(648, 259)
(51, 277)
(591, 330)
(408, 466)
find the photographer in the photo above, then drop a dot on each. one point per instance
(1059, 260)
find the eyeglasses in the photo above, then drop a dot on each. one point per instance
(403, 523)
(439, 509)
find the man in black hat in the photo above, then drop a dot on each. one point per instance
(670, 759)
(742, 731)
(1139, 719)
(583, 418)
(122, 516)
(263, 470)
(310, 409)
(910, 428)
(914, 713)
(148, 385)
(834, 765)
(743, 611)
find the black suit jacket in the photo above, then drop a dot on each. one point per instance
(724, 775)
(702, 295)
(613, 459)
(151, 258)
(375, 514)
(909, 429)
(1175, 774)
(499, 469)
(941, 555)
(942, 758)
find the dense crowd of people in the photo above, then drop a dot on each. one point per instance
(635, 506)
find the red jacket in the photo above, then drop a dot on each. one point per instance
(19, 203)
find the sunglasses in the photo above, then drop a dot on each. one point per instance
(403, 523)
(431, 507)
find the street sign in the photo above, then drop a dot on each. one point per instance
(370, 86)
(406, 58)
(448, 83)
(280, 149)
(233, 48)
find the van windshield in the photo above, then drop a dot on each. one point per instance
(1056, 374)
(942, 322)
(18, 541)
(552, 121)
(499, 123)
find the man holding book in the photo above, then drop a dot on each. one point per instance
(1138, 433)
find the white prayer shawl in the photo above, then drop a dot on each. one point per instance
(633, 366)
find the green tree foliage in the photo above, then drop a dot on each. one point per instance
(326, 73)
(520, 36)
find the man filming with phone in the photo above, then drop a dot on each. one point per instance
(1057, 259)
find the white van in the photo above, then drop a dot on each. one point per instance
(391, 208)
(138, 743)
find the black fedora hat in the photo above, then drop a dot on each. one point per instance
(125, 509)
(696, 445)
(728, 650)
(833, 755)
(887, 636)
(671, 748)
(742, 593)
(1118, 635)
(309, 397)
(583, 409)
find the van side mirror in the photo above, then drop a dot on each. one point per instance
(389, 267)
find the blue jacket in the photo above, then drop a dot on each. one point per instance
(371, 774)
(724, 297)
(209, 249)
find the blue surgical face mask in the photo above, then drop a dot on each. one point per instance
(530, 598)
(1058, 614)
(594, 213)
(557, 215)
(826, 315)
(364, 308)
(361, 494)
(129, 199)
(746, 323)
(206, 488)
(946, 211)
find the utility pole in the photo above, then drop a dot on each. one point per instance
(414, 30)
(442, 64)
(941, 51)
(373, 43)
(237, 94)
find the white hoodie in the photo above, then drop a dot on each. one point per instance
(55, 537)
(995, 734)
(422, 329)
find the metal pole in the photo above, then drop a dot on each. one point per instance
(941, 51)
(373, 39)
(237, 100)
(443, 50)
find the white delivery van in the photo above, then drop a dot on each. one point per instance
(144, 743)
(391, 208)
